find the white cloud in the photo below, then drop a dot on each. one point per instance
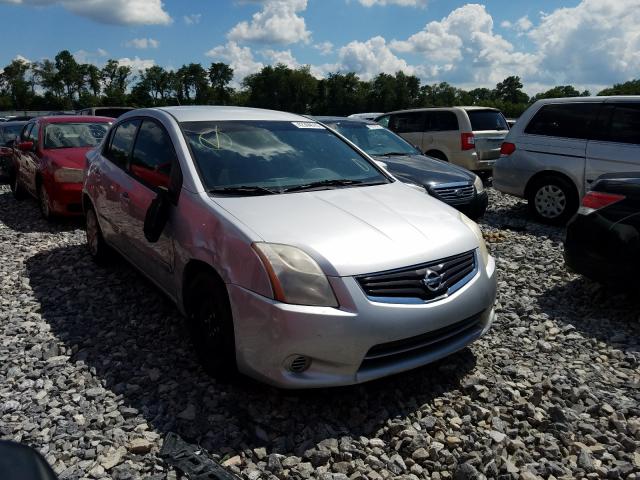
(522, 25)
(192, 19)
(325, 48)
(595, 43)
(239, 58)
(402, 3)
(142, 43)
(369, 58)
(284, 57)
(137, 64)
(84, 56)
(277, 22)
(464, 47)
(22, 59)
(119, 12)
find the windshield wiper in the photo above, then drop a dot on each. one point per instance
(244, 190)
(394, 154)
(341, 182)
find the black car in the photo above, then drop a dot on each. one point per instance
(8, 133)
(454, 185)
(603, 239)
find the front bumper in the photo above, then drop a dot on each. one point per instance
(65, 198)
(476, 208)
(336, 340)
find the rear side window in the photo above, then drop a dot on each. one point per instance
(122, 142)
(408, 122)
(487, 120)
(622, 123)
(153, 155)
(569, 120)
(442, 121)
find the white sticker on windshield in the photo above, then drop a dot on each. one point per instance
(308, 125)
(375, 127)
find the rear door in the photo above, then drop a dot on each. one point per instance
(410, 126)
(442, 132)
(29, 161)
(615, 146)
(150, 169)
(489, 128)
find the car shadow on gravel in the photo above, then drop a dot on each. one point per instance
(595, 311)
(135, 342)
(24, 216)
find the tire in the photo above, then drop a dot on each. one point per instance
(553, 200)
(44, 202)
(211, 325)
(16, 188)
(98, 249)
(437, 154)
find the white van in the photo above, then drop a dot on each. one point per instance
(560, 146)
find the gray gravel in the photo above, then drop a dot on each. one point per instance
(96, 367)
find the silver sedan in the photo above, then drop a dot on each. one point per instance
(296, 259)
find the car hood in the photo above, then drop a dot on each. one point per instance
(68, 157)
(353, 231)
(425, 170)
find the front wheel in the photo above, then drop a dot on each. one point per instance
(44, 202)
(211, 324)
(98, 248)
(553, 200)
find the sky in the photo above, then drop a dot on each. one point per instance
(590, 44)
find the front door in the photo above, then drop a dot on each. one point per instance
(150, 168)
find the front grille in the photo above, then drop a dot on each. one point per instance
(386, 353)
(421, 281)
(454, 193)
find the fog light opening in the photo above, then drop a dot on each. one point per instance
(298, 363)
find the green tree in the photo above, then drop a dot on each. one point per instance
(15, 84)
(220, 75)
(632, 87)
(69, 75)
(510, 91)
(282, 88)
(194, 83)
(340, 94)
(116, 79)
(560, 91)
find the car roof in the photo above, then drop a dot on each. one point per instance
(13, 123)
(457, 107)
(222, 113)
(330, 119)
(73, 119)
(612, 98)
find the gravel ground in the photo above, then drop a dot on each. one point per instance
(96, 368)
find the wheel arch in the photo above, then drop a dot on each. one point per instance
(549, 173)
(192, 269)
(436, 153)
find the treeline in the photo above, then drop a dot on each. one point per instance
(65, 84)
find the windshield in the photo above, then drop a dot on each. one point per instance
(71, 135)
(487, 120)
(374, 139)
(9, 132)
(267, 157)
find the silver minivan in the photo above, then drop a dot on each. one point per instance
(560, 146)
(466, 136)
(295, 258)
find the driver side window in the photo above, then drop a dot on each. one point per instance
(153, 155)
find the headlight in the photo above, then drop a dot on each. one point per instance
(295, 277)
(68, 175)
(478, 184)
(484, 253)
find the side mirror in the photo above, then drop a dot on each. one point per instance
(157, 216)
(25, 146)
(25, 463)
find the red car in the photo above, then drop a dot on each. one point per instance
(49, 158)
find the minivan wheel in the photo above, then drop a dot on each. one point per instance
(16, 188)
(98, 248)
(553, 200)
(211, 325)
